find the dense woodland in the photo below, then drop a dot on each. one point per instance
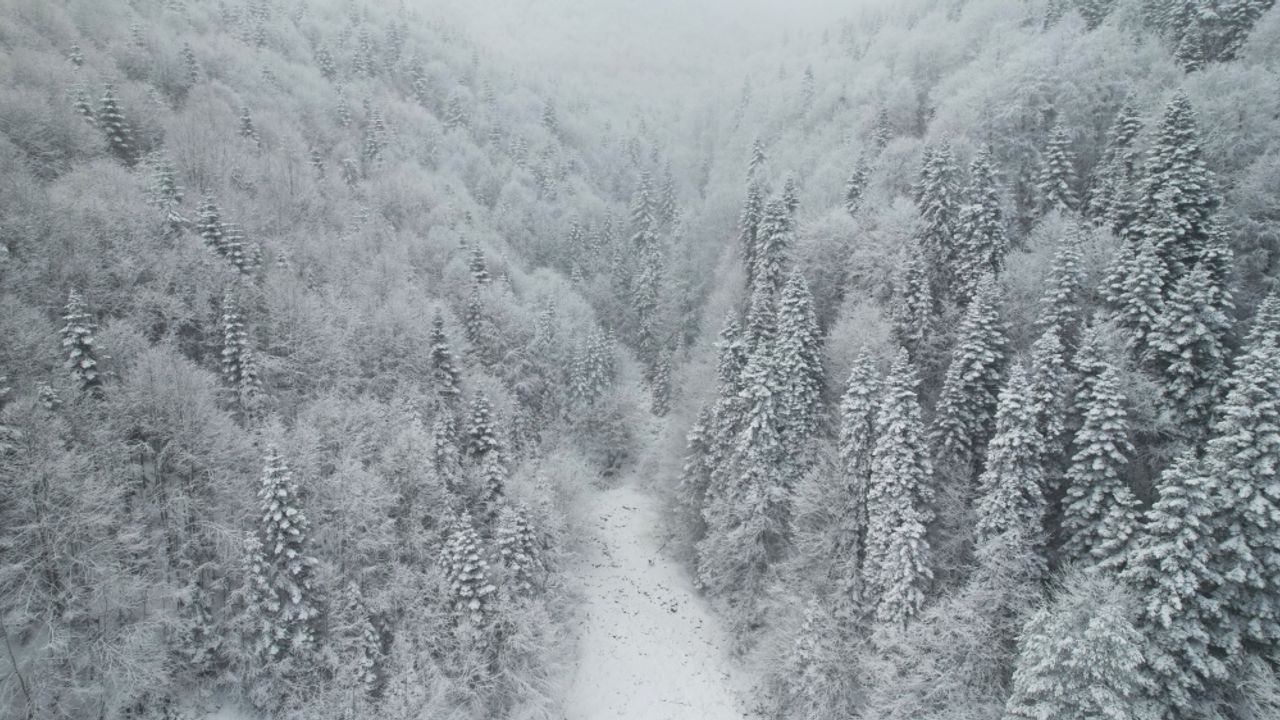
(950, 331)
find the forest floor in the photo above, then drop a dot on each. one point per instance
(650, 648)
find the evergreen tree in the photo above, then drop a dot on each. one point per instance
(913, 308)
(360, 641)
(234, 342)
(83, 106)
(981, 240)
(163, 191)
(882, 132)
(79, 345)
(1061, 304)
(661, 390)
(970, 391)
(519, 549)
(478, 266)
(1011, 488)
(1099, 515)
(1057, 172)
(1188, 346)
(856, 444)
(1094, 12)
(645, 288)
(1080, 658)
(1141, 303)
(1112, 200)
(209, 225)
(467, 573)
(756, 162)
(493, 473)
(446, 460)
(481, 438)
(749, 229)
(455, 115)
(235, 248)
(281, 571)
(317, 163)
(854, 188)
(190, 65)
(444, 371)
(1048, 393)
(114, 125)
(773, 243)
(897, 570)
(938, 198)
(798, 353)
(247, 129)
(76, 56)
(1170, 571)
(1243, 456)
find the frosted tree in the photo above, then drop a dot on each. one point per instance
(466, 573)
(882, 130)
(856, 443)
(1100, 512)
(82, 104)
(981, 243)
(1173, 578)
(482, 441)
(76, 56)
(1243, 455)
(938, 198)
(749, 229)
(247, 129)
(209, 225)
(444, 370)
(1061, 306)
(647, 282)
(757, 161)
(280, 574)
(854, 188)
(1080, 658)
(519, 549)
(1094, 12)
(446, 459)
(163, 190)
(111, 120)
(970, 390)
(913, 318)
(1112, 198)
(493, 475)
(234, 341)
(660, 392)
(798, 352)
(79, 346)
(1188, 346)
(1140, 304)
(773, 243)
(478, 266)
(897, 567)
(190, 65)
(235, 247)
(1011, 488)
(1047, 388)
(1057, 172)
(455, 114)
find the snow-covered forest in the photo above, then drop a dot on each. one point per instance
(572, 360)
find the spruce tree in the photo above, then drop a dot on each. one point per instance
(1244, 455)
(938, 198)
(1188, 347)
(798, 352)
(481, 438)
(163, 190)
(209, 225)
(444, 371)
(1057, 172)
(1011, 488)
(493, 472)
(519, 549)
(854, 188)
(981, 240)
(856, 444)
(913, 319)
(111, 120)
(1112, 199)
(235, 247)
(882, 132)
(467, 573)
(79, 345)
(80, 101)
(1061, 306)
(897, 566)
(247, 129)
(281, 570)
(1080, 658)
(749, 229)
(773, 243)
(190, 65)
(660, 394)
(1171, 573)
(234, 341)
(1048, 397)
(1140, 304)
(1099, 515)
(446, 460)
(756, 162)
(970, 390)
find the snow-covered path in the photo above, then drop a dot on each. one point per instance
(650, 648)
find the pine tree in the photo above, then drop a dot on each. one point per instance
(1170, 572)
(970, 391)
(191, 65)
(209, 225)
(163, 191)
(773, 243)
(446, 460)
(481, 439)
(646, 286)
(1112, 200)
(1243, 456)
(854, 188)
(1058, 173)
(757, 161)
(856, 444)
(1061, 304)
(83, 106)
(1048, 397)
(897, 570)
(317, 163)
(360, 640)
(234, 341)
(665, 209)
(1011, 488)
(1140, 304)
(913, 308)
(798, 353)
(938, 198)
(1094, 12)
(444, 371)
(518, 549)
(493, 473)
(467, 573)
(749, 229)
(343, 111)
(981, 240)
(478, 266)
(661, 391)
(280, 573)
(1188, 346)
(455, 115)
(247, 129)
(76, 56)
(1099, 515)
(235, 248)
(1080, 658)
(882, 132)
(79, 345)
(113, 124)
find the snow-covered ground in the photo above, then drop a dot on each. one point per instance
(650, 648)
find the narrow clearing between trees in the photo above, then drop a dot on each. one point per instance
(649, 648)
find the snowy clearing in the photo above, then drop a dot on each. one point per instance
(650, 647)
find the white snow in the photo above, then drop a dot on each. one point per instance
(650, 648)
